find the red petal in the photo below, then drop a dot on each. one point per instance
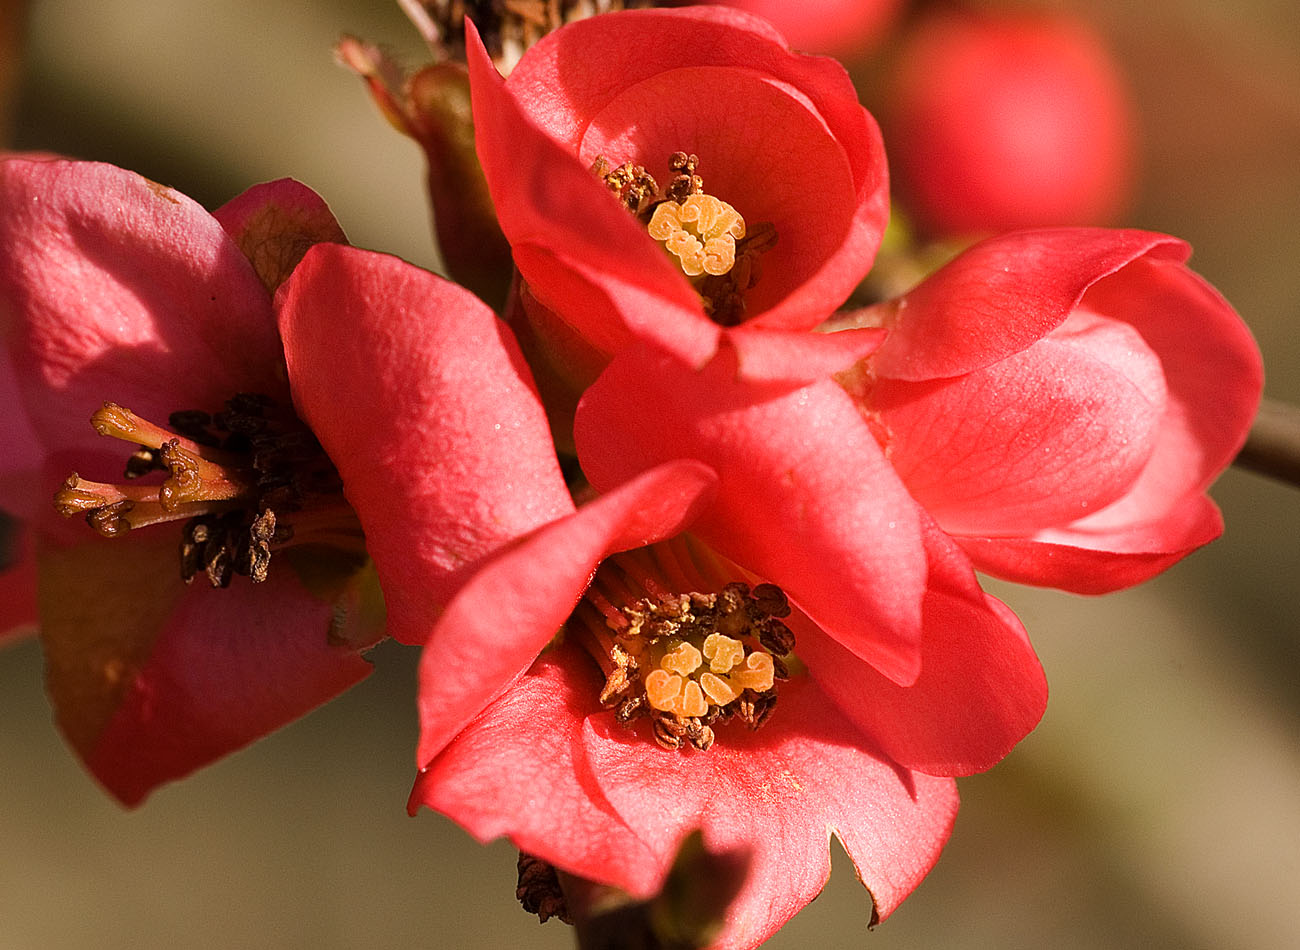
(545, 766)
(419, 396)
(802, 485)
(151, 679)
(780, 791)
(275, 223)
(1100, 561)
(507, 612)
(1037, 439)
(981, 688)
(120, 289)
(1002, 295)
(795, 357)
(518, 771)
(1214, 374)
(581, 253)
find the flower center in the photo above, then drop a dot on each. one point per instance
(705, 236)
(245, 482)
(687, 661)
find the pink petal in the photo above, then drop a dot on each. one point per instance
(151, 679)
(1099, 561)
(1213, 372)
(518, 771)
(1003, 294)
(802, 485)
(780, 791)
(581, 253)
(502, 618)
(120, 289)
(419, 396)
(981, 688)
(1035, 440)
(275, 223)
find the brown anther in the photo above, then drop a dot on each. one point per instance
(110, 520)
(185, 482)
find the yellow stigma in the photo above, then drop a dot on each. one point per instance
(701, 233)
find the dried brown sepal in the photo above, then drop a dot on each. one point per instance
(539, 889)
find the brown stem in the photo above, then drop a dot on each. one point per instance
(1273, 446)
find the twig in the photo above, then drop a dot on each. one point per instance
(1273, 446)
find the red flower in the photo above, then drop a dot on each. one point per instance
(116, 288)
(1060, 400)
(541, 751)
(755, 168)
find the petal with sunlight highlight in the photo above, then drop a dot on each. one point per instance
(782, 791)
(121, 289)
(1002, 295)
(1038, 439)
(419, 396)
(802, 485)
(508, 611)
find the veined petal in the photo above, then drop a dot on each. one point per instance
(507, 612)
(1038, 439)
(802, 485)
(1002, 295)
(275, 223)
(518, 771)
(981, 688)
(115, 288)
(420, 398)
(780, 791)
(1213, 372)
(151, 679)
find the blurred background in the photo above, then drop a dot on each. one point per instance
(1158, 804)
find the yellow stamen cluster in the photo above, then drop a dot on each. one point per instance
(680, 685)
(701, 233)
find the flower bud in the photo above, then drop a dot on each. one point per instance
(998, 121)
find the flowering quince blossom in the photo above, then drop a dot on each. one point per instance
(1060, 400)
(773, 203)
(115, 288)
(599, 756)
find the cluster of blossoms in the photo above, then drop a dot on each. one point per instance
(686, 547)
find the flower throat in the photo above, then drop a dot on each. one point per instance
(687, 661)
(705, 236)
(245, 482)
